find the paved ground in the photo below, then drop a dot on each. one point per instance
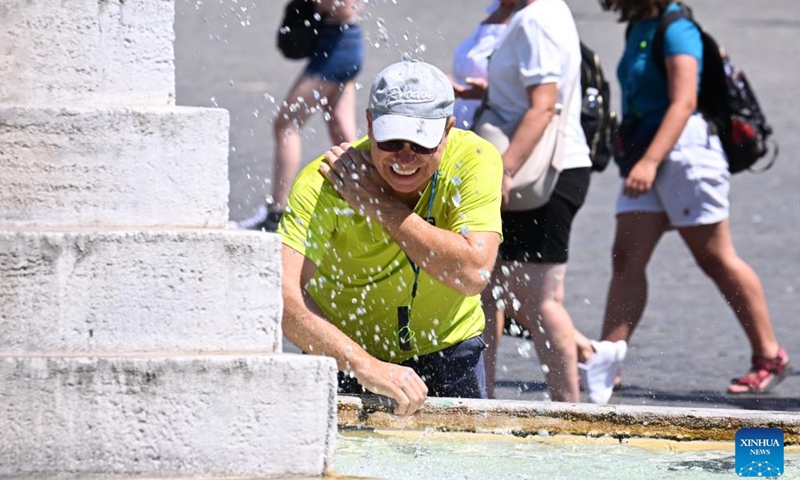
(689, 344)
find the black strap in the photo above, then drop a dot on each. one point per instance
(657, 48)
(658, 39)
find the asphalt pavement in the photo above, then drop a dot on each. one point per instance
(689, 345)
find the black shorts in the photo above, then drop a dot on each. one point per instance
(542, 235)
(455, 372)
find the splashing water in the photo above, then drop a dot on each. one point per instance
(456, 199)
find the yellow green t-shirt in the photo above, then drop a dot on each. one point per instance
(363, 275)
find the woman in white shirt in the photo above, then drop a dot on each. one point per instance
(471, 57)
(535, 67)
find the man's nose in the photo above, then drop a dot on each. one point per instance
(406, 154)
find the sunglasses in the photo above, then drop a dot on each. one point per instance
(397, 145)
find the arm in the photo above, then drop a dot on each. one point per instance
(543, 99)
(682, 72)
(461, 262)
(342, 10)
(304, 326)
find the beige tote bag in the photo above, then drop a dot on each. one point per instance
(536, 179)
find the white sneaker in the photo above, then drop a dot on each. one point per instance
(598, 373)
(252, 222)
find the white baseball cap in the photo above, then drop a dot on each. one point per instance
(411, 100)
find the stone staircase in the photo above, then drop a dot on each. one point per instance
(138, 336)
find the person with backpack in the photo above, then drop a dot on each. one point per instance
(675, 176)
(327, 85)
(535, 68)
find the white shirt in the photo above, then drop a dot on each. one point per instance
(471, 59)
(540, 45)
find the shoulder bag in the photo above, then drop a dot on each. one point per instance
(536, 179)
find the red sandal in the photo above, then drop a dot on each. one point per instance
(764, 375)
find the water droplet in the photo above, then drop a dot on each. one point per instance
(456, 180)
(497, 291)
(456, 198)
(545, 368)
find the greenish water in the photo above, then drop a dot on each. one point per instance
(437, 456)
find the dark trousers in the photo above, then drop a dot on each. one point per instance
(455, 372)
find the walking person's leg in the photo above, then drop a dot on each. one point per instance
(636, 237)
(713, 250)
(539, 287)
(342, 111)
(301, 102)
(491, 296)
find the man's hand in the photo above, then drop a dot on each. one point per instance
(304, 326)
(352, 174)
(402, 384)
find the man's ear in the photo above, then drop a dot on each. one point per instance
(451, 120)
(369, 121)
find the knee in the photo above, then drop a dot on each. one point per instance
(284, 125)
(713, 265)
(624, 262)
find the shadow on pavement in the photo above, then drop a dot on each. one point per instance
(629, 394)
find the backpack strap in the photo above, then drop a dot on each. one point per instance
(658, 39)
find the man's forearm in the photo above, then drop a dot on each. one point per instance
(444, 255)
(315, 335)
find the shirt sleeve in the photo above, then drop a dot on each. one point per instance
(538, 54)
(312, 211)
(682, 37)
(306, 224)
(476, 197)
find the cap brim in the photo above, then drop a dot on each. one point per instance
(427, 132)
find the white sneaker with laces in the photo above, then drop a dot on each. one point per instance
(598, 373)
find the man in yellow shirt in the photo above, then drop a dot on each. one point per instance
(388, 242)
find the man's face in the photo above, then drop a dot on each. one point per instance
(406, 167)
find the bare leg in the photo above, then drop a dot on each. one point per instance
(636, 237)
(300, 103)
(584, 346)
(713, 250)
(342, 109)
(495, 319)
(539, 288)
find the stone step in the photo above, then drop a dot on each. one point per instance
(151, 416)
(128, 291)
(113, 166)
(87, 51)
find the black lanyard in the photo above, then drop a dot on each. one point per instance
(414, 267)
(404, 332)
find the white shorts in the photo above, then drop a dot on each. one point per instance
(692, 183)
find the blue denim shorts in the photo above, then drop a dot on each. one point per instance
(339, 55)
(455, 372)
